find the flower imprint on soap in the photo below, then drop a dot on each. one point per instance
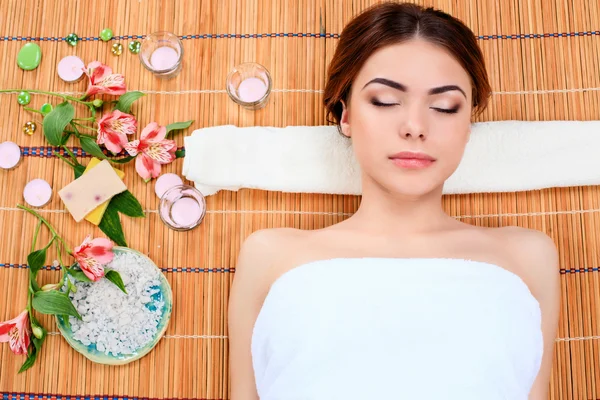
(115, 323)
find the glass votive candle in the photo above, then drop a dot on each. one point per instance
(162, 53)
(182, 208)
(249, 85)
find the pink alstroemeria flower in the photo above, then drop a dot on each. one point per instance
(17, 333)
(151, 151)
(103, 81)
(92, 255)
(113, 129)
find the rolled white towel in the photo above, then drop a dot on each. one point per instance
(503, 156)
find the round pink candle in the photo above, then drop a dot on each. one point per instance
(37, 193)
(185, 211)
(70, 69)
(252, 89)
(166, 182)
(10, 155)
(164, 58)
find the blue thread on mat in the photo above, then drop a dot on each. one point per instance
(46, 151)
(177, 269)
(287, 34)
(48, 396)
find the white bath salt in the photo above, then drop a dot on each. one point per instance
(115, 322)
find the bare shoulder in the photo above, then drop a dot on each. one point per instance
(258, 256)
(534, 253)
(536, 260)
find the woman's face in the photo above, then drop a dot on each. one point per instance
(409, 117)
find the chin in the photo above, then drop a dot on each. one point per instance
(417, 186)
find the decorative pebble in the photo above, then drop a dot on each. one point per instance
(29, 128)
(166, 182)
(135, 46)
(70, 68)
(46, 108)
(72, 39)
(37, 193)
(29, 57)
(117, 49)
(106, 34)
(24, 98)
(10, 155)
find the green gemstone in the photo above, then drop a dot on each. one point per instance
(46, 108)
(135, 46)
(24, 98)
(72, 39)
(106, 34)
(117, 49)
(29, 56)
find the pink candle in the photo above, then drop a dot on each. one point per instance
(186, 211)
(70, 69)
(166, 182)
(251, 89)
(164, 58)
(37, 193)
(10, 155)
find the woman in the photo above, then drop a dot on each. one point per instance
(399, 301)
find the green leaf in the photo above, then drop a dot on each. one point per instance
(30, 359)
(54, 302)
(115, 278)
(178, 125)
(36, 260)
(126, 100)
(90, 146)
(79, 275)
(79, 170)
(126, 203)
(123, 160)
(180, 153)
(56, 121)
(111, 225)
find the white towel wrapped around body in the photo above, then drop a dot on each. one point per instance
(504, 156)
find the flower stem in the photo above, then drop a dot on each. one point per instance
(39, 217)
(33, 110)
(62, 96)
(84, 119)
(35, 235)
(84, 126)
(64, 159)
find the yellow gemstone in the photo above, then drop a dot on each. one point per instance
(117, 49)
(29, 128)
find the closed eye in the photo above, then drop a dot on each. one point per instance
(453, 110)
(380, 104)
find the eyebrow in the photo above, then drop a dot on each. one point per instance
(403, 88)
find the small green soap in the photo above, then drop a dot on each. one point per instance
(29, 57)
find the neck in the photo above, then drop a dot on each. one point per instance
(386, 213)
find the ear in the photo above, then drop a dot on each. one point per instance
(344, 121)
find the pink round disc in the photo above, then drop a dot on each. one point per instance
(166, 182)
(10, 155)
(186, 211)
(37, 193)
(70, 68)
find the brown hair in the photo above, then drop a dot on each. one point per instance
(391, 23)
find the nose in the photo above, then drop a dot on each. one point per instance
(414, 124)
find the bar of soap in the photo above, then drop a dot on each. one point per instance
(88, 191)
(96, 215)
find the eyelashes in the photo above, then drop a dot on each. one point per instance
(452, 110)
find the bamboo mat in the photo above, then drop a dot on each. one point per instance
(554, 74)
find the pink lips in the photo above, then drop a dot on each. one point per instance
(411, 160)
